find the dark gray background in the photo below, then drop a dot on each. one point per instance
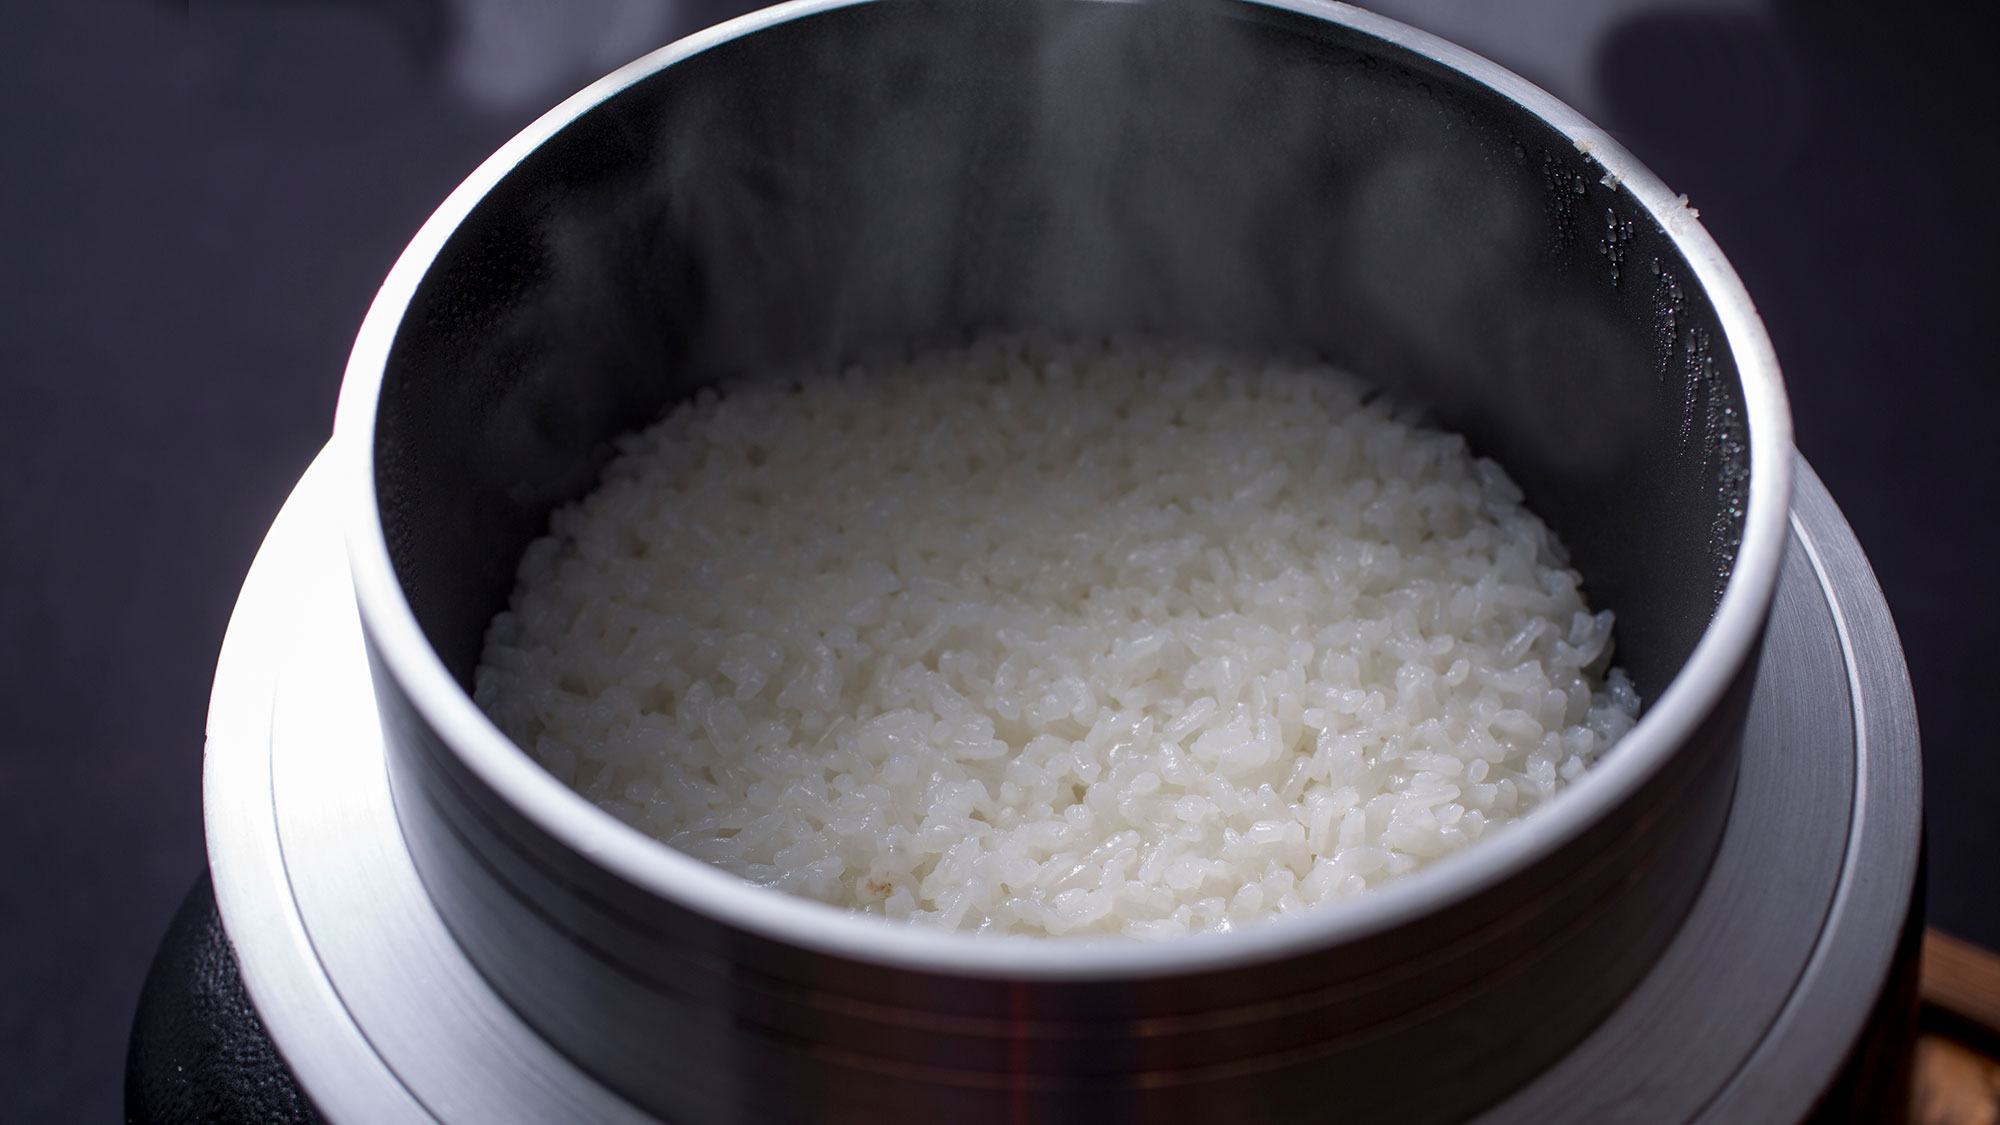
(198, 200)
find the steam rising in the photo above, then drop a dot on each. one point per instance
(899, 176)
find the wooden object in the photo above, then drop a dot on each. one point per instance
(1957, 1084)
(1961, 979)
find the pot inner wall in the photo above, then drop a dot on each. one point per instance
(890, 176)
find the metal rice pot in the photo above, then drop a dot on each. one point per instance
(827, 181)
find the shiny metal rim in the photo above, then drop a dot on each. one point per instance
(1729, 641)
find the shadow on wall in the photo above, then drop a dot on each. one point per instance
(510, 57)
(1558, 43)
(1711, 77)
(1706, 95)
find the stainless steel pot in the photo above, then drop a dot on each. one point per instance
(824, 180)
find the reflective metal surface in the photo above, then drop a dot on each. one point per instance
(1745, 1017)
(825, 179)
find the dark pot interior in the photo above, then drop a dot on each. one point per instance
(893, 176)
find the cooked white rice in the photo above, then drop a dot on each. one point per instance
(1056, 639)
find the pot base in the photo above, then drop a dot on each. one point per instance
(1747, 1016)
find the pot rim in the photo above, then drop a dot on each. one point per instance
(1726, 645)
